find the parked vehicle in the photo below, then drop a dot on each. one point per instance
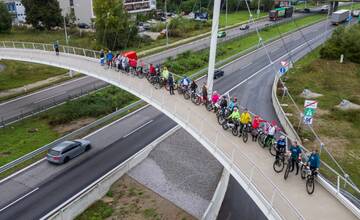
(340, 16)
(67, 150)
(244, 27)
(218, 74)
(83, 26)
(278, 13)
(221, 34)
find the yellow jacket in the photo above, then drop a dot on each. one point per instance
(245, 118)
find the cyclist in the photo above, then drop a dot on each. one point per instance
(295, 150)
(235, 116)
(152, 70)
(314, 161)
(204, 93)
(109, 59)
(102, 57)
(171, 84)
(215, 97)
(165, 73)
(256, 126)
(245, 119)
(270, 133)
(184, 83)
(193, 86)
(232, 104)
(280, 146)
(56, 48)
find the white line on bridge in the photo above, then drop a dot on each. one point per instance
(22, 197)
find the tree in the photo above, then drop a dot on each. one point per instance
(113, 28)
(43, 13)
(5, 18)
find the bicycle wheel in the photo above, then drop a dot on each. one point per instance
(225, 126)
(157, 85)
(287, 170)
(221, 119)
(197, 100)
(245, 136)
(141, 75)
(303, 172)
(272, 150)
(278, 165)
(209, 107)
(186, 95)
(235, 131)
(310, 184)
(261, 140)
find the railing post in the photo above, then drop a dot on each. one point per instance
(33, 46)
(94, 54)
(84, 52)
(338, 184)
(74, 50)
(3, 43)
(44, 47)
(64, 49)
(13, 44)
(23, 45)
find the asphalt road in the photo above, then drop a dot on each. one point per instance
(18, 108)
(57, 183)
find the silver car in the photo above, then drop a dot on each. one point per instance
(67, 150)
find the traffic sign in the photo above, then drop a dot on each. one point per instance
(284, 63)
(309, 111)
(282, 70)
(308, 120)
(310, 104)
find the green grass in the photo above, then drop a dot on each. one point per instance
(338, 129)
(191, 62)
(236, 17)
(97, 211)
(17, 74)
(354, 7)
(16, 140)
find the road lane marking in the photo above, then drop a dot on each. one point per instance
(22, 197)
(47, 98)
(136, 129)
(22, 170)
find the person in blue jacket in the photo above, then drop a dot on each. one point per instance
(295, 150)
(314, 161)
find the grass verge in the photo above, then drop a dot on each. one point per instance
(338, 129)
(236, 17)
(18, 74)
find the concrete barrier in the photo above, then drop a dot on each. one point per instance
(213, 209)
(96, 190)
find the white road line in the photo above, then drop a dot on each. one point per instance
(22, 170)
(22, 197)
(44, 90)
(135, 130)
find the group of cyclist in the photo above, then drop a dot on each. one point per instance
(229, 110)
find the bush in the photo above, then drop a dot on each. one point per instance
(343, 41)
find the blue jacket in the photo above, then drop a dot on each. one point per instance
(314, 160)
(231, 105)
(281, 145)
(109, 56)
(295, 151)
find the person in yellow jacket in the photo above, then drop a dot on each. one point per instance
(245, 118)
(165, 73)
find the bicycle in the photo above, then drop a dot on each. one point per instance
(279, 163)
(222, 115)
(307, 173)
(244, 132)
(234, 125)
(288, 167)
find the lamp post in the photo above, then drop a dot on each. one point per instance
(66, 35)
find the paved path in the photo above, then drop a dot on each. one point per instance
(242, 158)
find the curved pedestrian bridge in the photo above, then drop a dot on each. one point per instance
(248, 163)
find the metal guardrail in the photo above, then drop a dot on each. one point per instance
(67, 137)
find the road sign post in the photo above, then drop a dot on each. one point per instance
(309, 111)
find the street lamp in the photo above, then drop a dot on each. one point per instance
(66, 35)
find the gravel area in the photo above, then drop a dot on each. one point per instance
(181, 170)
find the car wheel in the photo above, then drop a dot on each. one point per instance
(87, 147)
(66, 159)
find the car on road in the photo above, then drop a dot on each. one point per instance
(218, 74)
(244, 27)
(221, 34)
(324, 8)
(67, 150)
(83, 26)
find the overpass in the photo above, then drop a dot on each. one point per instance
(249, 164)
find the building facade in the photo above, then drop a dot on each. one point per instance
(17, 10)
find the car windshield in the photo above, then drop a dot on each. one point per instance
(77, 142)
(54, 152)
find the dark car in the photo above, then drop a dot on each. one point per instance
(218, 74)
(83, 26)
(244, 27)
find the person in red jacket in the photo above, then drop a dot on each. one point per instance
(255, 127)
(152, 70)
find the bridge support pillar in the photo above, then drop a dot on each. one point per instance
(213, 45)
